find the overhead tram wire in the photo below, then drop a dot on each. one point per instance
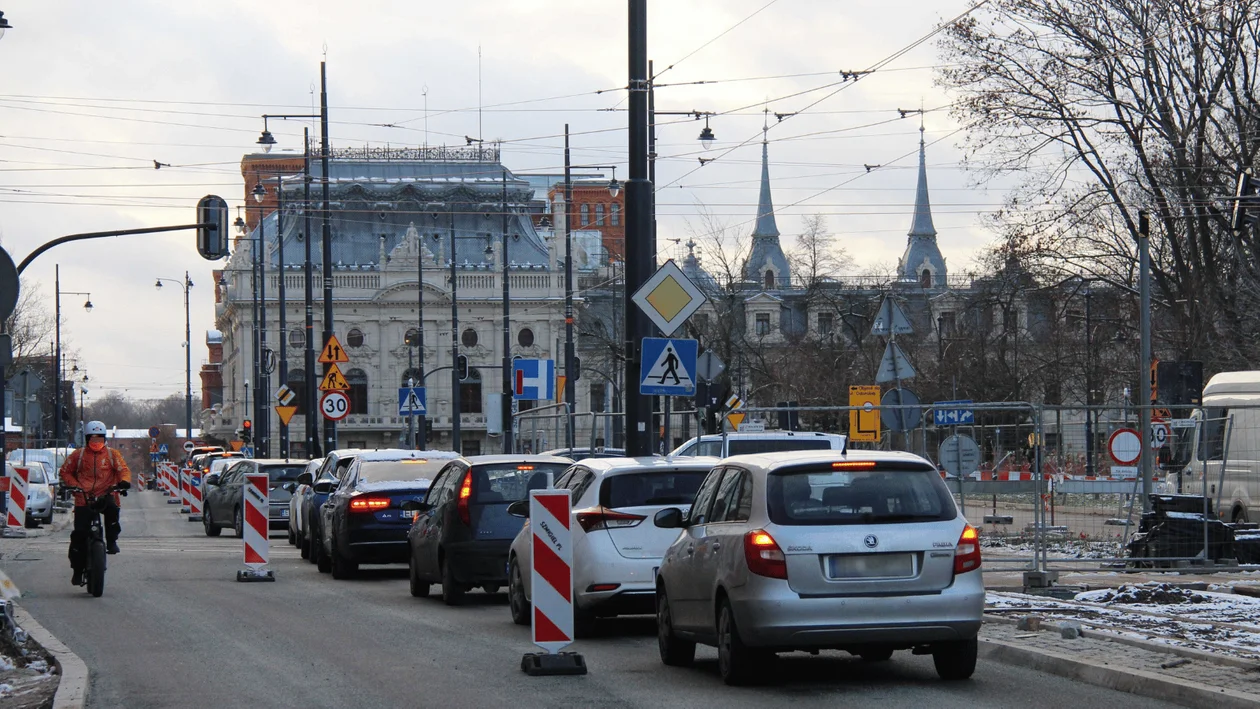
(722, 34)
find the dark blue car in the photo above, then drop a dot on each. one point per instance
(314, 495)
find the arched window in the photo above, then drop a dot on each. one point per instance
(769, 279)
(410, 378)
(525, 338)
(585, 210)
(469, 338)
(358, 381)
(297, 382)
(925, 279)
(470, 392)
(599, 215)
(354, 338)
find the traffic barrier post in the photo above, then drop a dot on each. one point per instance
(172, 481)
(551, 580)
(19, 490)
(185, 481)
(194, 497)
(255, 495)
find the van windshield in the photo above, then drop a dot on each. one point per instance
(1212, 433)
(825, 496)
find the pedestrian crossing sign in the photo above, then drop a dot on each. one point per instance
(411, 401)
(668, 367)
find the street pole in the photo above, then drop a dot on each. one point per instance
(309, 405)
(254, 248)
(569, 397)
(283, 378)
(187, 358)
(262, 438)
(505, 406)
(1089, 383)
(57, 392)
(455, 403)
(411, 418)
(1144, 317)
(638, 233)
(421, 435)
(330, 426)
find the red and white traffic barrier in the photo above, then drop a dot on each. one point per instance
(19, 492)
(194, 497)
(255, 495)
(172, 483)
(185, 483)
(551, 574)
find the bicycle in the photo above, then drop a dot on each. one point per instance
(94, 564)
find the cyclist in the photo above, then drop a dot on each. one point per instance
(99, 471)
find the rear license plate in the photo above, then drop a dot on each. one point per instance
(870, 566)
(407, 515)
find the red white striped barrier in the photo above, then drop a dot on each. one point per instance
(172, 483)
(551, 576)
(185, 482)
(19, 491)
(255, 494)
(194, 497)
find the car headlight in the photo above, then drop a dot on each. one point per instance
(39, 494)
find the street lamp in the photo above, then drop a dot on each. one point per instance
(4, 25)
(186, 285)
(87, 305)
(706, 135)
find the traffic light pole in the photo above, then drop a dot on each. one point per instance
(330, 426)
(455, 403)
(639, 254)
(505, 406)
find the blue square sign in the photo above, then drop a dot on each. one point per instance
(534, 379)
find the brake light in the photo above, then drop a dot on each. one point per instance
(465, 492)
(967, 554)
(854, 465)
(603, 518)
(369, 504)
(763, 555)
(524, 467)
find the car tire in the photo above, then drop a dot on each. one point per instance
(342, 568)
(304, 546)
(32, 523)
(238, 523)
(419, 587)
(517, 603)
(675, 651)
(876, 654)
(322, 562)
(452, 593)
(292, 538)
(738, 664)
(212, 530)
(955, 660)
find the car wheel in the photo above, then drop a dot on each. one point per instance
(516, 595)
(737, 663)
(452, 593)
(212, 530)
(292, 537)
(304, 545)
(419, 588)
(955, 660)
(238, 523)
(877, 654)
(32, 523)
(322, 561)
(342, 568)
(675, 651)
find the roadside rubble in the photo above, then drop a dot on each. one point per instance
(28, 674)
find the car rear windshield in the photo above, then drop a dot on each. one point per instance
(745, 446)
(858, 497)
(510, 482)
(283, 473)
(411, 469)
(657, 487)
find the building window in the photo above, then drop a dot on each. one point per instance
(469, 338)
(470, 392)
(585, 210)
(412, 338)
(297, 338)
(826, 323)
(297, 382)
(599, 215)
(411, 378)
(525, 338)
(614, 215)
(763, 324)
(358, 381)
(769, 279)
(354, 338)
(925, 279)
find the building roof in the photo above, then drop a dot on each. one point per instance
(767, 253)
(922, 253)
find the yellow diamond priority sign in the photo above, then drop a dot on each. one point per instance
(668, 298)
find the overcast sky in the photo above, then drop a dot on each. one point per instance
(95, 92)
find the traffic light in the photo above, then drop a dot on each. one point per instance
(576, 374)
(247, 431)
(461, 367)
(428, 429)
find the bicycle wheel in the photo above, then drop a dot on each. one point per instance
(96, 568)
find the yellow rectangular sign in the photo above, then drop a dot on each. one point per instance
(864, 418)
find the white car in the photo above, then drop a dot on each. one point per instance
(761, 442)
(616, 548)
(39, 503)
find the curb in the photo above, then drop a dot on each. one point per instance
(1130, 680)
(72, 689)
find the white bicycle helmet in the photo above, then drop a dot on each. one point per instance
(94, 428)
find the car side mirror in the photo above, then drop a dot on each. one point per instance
(304, 479)
(211, 479)
(416, 506)
(520, 508)
(669, 518)
(324, 487)
(290, 487)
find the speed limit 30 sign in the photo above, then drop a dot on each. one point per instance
(334, 405)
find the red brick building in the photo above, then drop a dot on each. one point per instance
(595, 209)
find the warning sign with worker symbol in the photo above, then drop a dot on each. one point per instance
(668, 367)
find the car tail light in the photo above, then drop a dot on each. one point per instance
(603, 587)
(465, 492)
(369, 504)
(967, 554)
(853, 465)
(604, 518)
(763, 555)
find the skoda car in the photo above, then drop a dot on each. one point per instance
(864, 552)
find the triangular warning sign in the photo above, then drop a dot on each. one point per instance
(668, 370)
(334, 380)
(894, 366)
(286, 413)
(333, 352)
(891, 320)
(413, 404)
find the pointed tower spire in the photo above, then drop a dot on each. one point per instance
(765, 206)
(922, 224)
(767, 265)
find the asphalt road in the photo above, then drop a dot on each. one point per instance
(175, 629)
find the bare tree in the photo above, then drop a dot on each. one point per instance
(816, 258)
(31, 326)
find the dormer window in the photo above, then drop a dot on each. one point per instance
(769, 279)
(925, 279)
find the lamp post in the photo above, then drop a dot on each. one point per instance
(262, 442)
(505, 406)
(186, 285)
(87, 305)
(639, 254)
(456, 443)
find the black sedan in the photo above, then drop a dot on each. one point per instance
(363, 521)
(223, 507)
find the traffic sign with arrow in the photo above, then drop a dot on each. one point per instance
(333, 352)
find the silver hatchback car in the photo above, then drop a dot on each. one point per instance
(863, 552)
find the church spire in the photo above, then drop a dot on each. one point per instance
(922, 224)
(765, 207)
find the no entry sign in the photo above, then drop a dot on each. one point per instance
(1125, 446)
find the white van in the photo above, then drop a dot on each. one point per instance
(760, 442)
(1231, 404)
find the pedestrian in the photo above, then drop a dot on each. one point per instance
(98, 471)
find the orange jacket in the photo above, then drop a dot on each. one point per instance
(97, 473)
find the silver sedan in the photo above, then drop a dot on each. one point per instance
(863, 552)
